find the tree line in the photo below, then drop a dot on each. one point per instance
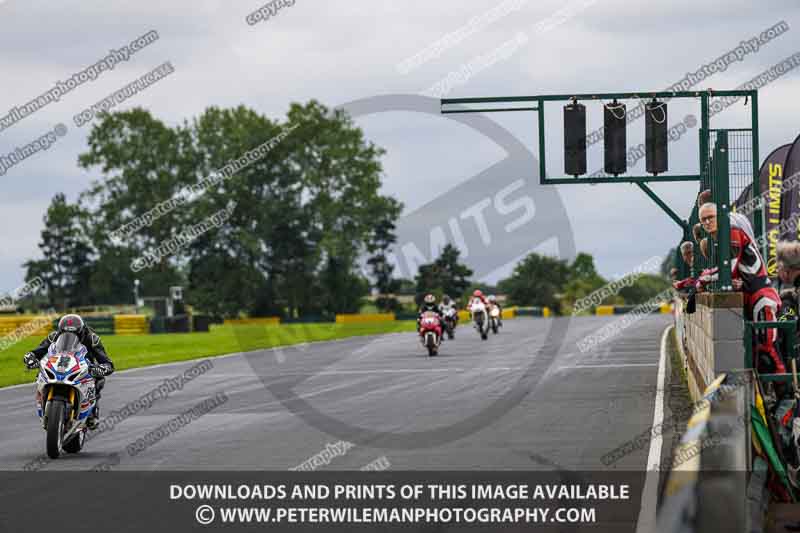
(301, 216)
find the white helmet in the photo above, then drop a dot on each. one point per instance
(492, 298)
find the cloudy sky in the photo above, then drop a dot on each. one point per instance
(345, 51)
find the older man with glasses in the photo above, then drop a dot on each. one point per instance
(749, 274)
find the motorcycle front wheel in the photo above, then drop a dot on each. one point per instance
(55, 428)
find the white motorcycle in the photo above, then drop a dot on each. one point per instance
(480, 318)
(450, 321)
(494, 319)
(65, 395)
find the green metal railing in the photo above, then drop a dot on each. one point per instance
(789, 328)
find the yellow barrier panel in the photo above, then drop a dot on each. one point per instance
(464, 316)
(545, 312)
(604, 310)
(263, 321)
(10, 324)
(131, 325)
(360, 319)
(510, 313)
(666, 308)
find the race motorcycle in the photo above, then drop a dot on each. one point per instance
(430, 332)
(65, 395)
(494, 318)
(480, 318)
(450, 321)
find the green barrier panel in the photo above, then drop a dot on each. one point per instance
(158, 324)
(530, 311)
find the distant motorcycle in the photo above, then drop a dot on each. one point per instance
(450, 321)
(494, 319)
(430, 332)
(480, 318)
(65, 395)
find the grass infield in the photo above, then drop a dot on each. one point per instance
(135, 351)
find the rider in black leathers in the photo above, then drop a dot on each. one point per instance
(102, 365)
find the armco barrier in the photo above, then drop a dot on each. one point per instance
(264, 321)
(365, 318)
(131, 325)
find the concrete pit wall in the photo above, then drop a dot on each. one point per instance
(710, 339)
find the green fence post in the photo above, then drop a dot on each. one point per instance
(722, 199)
(758, 216)
(748, 345)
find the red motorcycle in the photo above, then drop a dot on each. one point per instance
(430, 332)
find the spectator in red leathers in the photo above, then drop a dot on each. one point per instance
(749, 274)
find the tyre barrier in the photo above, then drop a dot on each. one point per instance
(10, 324)
(128, 325)
(605, 310)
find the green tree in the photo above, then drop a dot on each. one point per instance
(144, 163)
(583, 280)
(644, 288)
(382, 269)
(444, 276)
(536, 280)
(67, 256)
(302, 212)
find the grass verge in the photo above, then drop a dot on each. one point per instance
(144, 350)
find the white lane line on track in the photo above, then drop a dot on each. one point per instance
(613, 365)
(647, 512)
(386, 371)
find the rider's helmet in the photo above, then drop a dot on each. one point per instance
(445, 299)
(71, 324)
(429, 299)
(492, 298)
(477, 293)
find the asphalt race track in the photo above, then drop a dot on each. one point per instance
(416, 412)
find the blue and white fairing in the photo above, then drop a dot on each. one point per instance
(66, 365)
